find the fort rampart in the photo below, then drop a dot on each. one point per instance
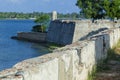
(69, 31)
(72, 62)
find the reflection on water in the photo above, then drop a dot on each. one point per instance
(40, 49)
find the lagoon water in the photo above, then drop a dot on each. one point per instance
(13, 51)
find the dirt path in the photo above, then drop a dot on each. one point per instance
(111, 69)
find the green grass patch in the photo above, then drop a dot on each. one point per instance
(92, 75)
(52, 46)
(111, 54)
(101, 66)
(114, 53)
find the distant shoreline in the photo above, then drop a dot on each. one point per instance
(15, 19)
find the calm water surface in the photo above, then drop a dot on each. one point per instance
(13, 51)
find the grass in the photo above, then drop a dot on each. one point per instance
(98, 68)
(101, 66)
(113, 54)
(52, 46)
(91, 75)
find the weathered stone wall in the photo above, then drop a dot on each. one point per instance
(32, 36)
(61, 32)
(69, 31)
(72, 62)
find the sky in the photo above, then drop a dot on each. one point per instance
(61, 6)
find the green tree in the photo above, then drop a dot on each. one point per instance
(43, 21)
(90, 8)
(99, 8)
(112, 8)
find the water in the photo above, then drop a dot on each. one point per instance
(13, 51)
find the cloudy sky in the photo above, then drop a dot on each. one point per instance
(62, 6)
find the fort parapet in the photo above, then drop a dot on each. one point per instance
(69, 31)
(72, 62)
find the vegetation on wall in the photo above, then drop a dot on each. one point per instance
(38, 28)
(99, 8)
(42, 22)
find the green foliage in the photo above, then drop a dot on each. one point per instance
(101, 66)
(112, 8)
(114, 52)
(92, 75)
(38, 28)
(13, 15)
(90, 8)
(53, 46)
(69, 15)
(43, 21)
(99, 8)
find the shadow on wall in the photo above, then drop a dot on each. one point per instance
(92, 33)
(61, 32)
(102, 44)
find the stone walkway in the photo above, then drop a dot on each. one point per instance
(112, 71)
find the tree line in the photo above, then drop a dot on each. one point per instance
(10, 15)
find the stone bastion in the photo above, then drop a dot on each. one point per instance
(69, 31)
(72, 62)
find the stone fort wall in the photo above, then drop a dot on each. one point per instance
(32, 36)
(69, 31)
(72, 62)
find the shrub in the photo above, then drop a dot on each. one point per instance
(39, 28)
